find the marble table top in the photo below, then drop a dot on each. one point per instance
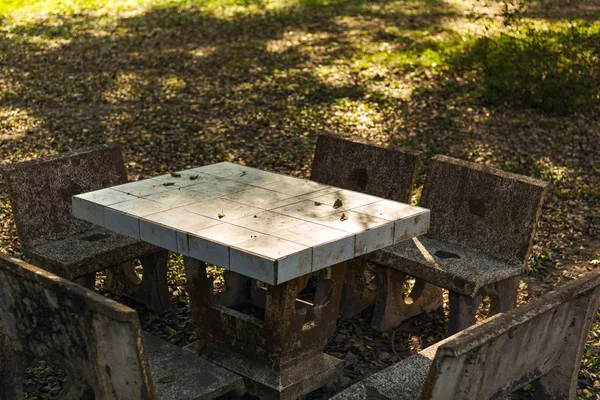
(260, 224)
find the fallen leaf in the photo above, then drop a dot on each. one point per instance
(175, 174)
(168, 183)
(194, 177)
(343, 217)
(171, 331)
(317, 203)
(221, 214)
(167, 379)
(338, 203)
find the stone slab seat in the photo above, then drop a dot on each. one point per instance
(402, 381)
(454, 267)
(482, 225)
(88, 252)
(388, 172)
(541, 343)
(40, 192)
(195, 378)
(96, 341)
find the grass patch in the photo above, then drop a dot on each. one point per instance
(412, 50)
(551, 67)
(590, 364)
(541, 265)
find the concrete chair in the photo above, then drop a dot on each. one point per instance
(40, 193)
(482, 224)
(383, 172)
(540, 343)
(96, 341)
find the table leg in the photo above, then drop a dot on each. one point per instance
(266, 333)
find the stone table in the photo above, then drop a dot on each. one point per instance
(283, 243)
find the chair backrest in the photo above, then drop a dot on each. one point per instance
(97, 341)
(483, 208)
(40, 190)
(374, 170)
(541, 342)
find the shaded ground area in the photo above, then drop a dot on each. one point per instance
(185, 83)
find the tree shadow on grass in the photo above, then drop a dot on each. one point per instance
(180, 86)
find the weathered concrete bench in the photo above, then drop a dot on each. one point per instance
(40, 192)
(540, 343)
(97, 341)
(482, 224)
(383, 172)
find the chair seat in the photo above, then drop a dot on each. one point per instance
(87, 252)
(180, 375)
(447, 265)
(402, 381)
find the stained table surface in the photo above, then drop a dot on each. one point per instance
(263, 225)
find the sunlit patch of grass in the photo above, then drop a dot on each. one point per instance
(481, 152)
(123, 88)
(171, 85)
(22, 10)
(15, 123)
(202, 51)
(314, 45)
(410, 50)
(359, 116)
(335, 75)
(410, 7)
(551, 172)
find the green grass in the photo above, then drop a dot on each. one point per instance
(551, 67)
(541, 265)
(590, 365)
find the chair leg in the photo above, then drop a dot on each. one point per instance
(121, 277)
(463, 310)
(152, 290)
(503, 295)
(356, 295)
(75, 390)
(554, 386)
(393, 307)
(561, 381)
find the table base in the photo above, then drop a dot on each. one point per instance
(272, 335)
(266, 383)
